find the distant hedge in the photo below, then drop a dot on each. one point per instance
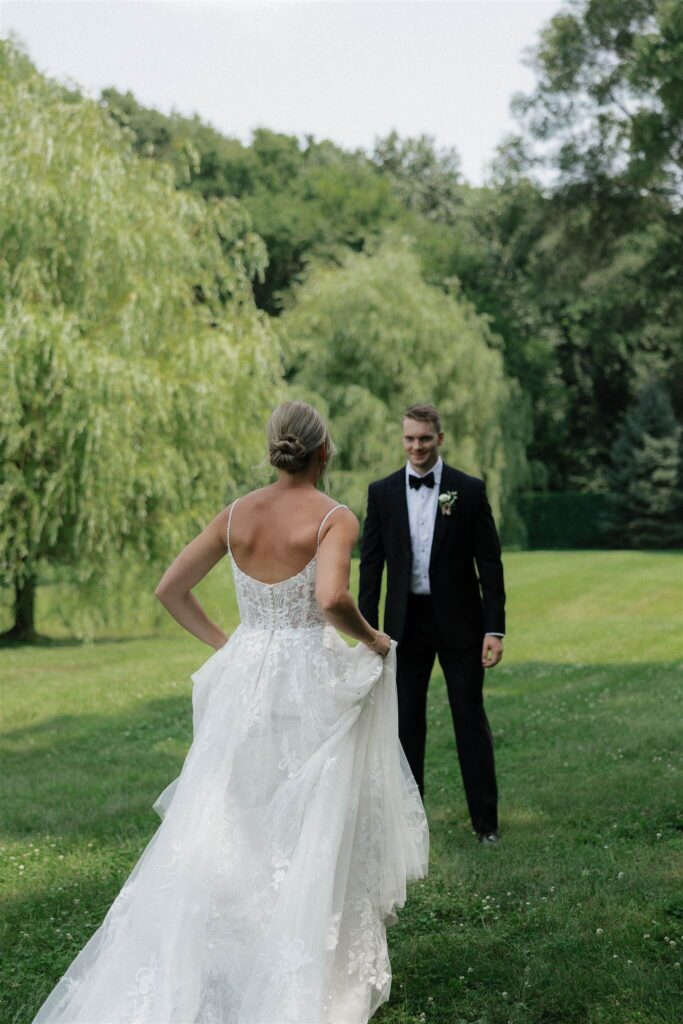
(562, 519)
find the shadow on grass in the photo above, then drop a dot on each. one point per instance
(75, 775)
(42, 642)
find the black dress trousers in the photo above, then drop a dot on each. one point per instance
(464, 674)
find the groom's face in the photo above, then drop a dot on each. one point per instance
(421, 443)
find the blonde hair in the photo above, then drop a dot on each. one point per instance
(295, 430)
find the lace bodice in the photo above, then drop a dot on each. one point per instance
(290, 604)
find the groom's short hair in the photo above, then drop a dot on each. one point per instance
(425, 413)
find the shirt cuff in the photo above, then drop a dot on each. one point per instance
(494, 634)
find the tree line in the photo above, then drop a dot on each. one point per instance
(164, 285)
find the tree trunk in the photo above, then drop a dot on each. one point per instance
(24, 611)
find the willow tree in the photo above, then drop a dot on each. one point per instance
(135, 371)
(371, 337)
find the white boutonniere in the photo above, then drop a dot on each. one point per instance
(447, 501)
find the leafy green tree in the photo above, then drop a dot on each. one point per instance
(425, 179)
(328, 210)
(312, 202)
(307, 201)
(373, 337)
(608, 103)
(475, 240)
(135, 371)
(600, 253)
(485, 251)
(645, 501)
(203, 160)
(582, 282)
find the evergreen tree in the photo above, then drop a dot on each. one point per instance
(645, 503)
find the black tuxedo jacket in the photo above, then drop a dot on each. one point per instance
(466, 605)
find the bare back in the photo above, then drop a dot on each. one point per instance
(274, 533)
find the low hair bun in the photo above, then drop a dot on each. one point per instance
(288, 452)
(295, 431)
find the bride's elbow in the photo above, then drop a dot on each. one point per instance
(332, 600)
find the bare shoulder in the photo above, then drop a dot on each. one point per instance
(219, 525)
(216, 530)
(344, 511)
(344, 523)
(260, 495)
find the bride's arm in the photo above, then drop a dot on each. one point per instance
(332, 573)
(185, 572)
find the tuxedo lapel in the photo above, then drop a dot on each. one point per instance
(442, 522)
(401, 506)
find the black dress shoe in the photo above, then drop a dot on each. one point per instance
(488, 838)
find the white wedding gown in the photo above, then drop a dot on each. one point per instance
(285, 843)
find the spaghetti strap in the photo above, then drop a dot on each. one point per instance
(325, 517)
(229, 520)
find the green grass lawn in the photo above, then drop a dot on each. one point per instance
(577, 916)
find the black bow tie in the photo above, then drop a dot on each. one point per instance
(418, 481)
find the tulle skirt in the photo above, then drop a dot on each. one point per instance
(284, 850)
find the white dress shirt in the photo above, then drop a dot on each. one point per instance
(422, 507)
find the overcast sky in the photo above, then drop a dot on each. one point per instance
(349, 71)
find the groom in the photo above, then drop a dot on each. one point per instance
(432, 524)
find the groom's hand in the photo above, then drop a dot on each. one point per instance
(491, 651)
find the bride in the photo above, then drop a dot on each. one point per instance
(287, 839)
